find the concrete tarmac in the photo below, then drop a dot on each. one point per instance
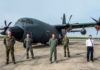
(77, 61)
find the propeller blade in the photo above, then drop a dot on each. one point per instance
(9, 24)
(5, 23)
(69, 18)
(95, 20)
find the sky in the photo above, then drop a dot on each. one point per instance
(51, 11)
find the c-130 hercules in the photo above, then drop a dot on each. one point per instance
(41, 31)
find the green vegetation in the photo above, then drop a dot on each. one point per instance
(81, 38)
(1, 37)
(77, 37)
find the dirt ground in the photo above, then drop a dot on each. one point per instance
(77, 61)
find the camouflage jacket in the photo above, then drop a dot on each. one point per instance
(28, 42)
(53, 42)
(65, 41)
(9, 42)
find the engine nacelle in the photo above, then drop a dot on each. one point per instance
(83, 31)
(97, 27)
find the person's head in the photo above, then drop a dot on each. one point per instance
(53, 35)
(9, 34)
(90, 36)
(27, 35)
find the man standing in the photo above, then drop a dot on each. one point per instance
(9, 42)
(66, 45)
(90, 48)
(53, 44)
(28, 44)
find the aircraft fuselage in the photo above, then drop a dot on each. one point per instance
(40, 31)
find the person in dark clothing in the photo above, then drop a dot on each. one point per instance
(28, 44)
(9, 42)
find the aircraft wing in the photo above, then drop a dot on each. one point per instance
(75, 25)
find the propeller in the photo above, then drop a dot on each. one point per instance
(69, 18)
(64, 19)
(68, 27)
(5, 27)
(5, 22)
(98, 24)
(95, 20)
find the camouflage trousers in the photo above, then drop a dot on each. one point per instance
(53, 53)
(31, 51)
(10, 51)
(66, 47)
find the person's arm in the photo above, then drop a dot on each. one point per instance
(57, 42)
(49, 42)
(4, 41)
(14, 40)
(31, 40)
(68, 40)
(63, 40)
(24, 43)
(93, 42)
(86, 43)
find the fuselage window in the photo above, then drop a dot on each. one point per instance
(27, 21)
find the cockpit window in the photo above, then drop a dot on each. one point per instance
(25, 20)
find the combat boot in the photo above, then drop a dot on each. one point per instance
(64, 54)
(7, 63)
(27, 55)
(14, 62)
(68, 54)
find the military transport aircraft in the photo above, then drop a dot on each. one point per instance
(41, 31)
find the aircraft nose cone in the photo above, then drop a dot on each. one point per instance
(17, 32)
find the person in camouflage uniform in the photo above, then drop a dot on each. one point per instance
(65, 43)
(9, 42)
(53, 44)
(28, 44)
